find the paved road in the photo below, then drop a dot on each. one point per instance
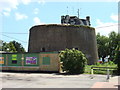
(40, 80)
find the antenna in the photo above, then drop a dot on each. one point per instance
(78, 13)
(67, 10)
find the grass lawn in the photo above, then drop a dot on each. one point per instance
(101, 70)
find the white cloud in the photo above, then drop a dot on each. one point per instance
(7, 11)
(41, 1)
(20, 16)
(36, 11)
(114, 17)
(37, 21)
(104, 28)
(8, 4)
(13, 4)
(26, 1)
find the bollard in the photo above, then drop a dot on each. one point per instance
(91, 73)
(108, 74)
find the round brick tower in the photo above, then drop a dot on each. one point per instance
(52, 37)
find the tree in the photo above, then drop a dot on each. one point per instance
(108, 45)
(12, 46)
(73, 61)
(18, 46)
(102, 44)
(4, 46)
(117, 52)
(113, 42)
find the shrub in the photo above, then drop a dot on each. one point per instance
(111, 63)
(73, 61)
(99, 63)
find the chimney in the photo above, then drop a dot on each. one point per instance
(88, 19)
(62, 19)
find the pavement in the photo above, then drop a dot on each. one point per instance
(53, 80)
(113, 82)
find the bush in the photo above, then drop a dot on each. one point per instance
(74, 61)
(111, 63)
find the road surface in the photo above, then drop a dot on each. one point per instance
(47, 80)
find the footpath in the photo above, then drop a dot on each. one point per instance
(113, 82)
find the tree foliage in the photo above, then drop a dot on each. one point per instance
(18, 46)
(103, 44)
(107, 46)
(73, 61)
(12, 46)
(113, 44)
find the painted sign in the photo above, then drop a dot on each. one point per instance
(14, 57)
(1, 60)
(31, 60)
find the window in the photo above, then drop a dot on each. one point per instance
(46, 61)
(43, 49)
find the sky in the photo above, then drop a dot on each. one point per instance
(18, 16)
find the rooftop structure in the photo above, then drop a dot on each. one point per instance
(74, 20)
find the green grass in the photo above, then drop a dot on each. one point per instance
(101, 70)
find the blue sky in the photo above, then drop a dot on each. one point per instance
(18, 16)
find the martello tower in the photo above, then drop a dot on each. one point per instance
(53, 37)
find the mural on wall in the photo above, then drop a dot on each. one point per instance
(31, 60)
(1, 60)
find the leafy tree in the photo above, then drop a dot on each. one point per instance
(117, 53)
(107, 45)
(114, 38)
(5, 46)
(12, 46)
(73, 61)
(102, 44)
(18, 46)
(117, 58)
